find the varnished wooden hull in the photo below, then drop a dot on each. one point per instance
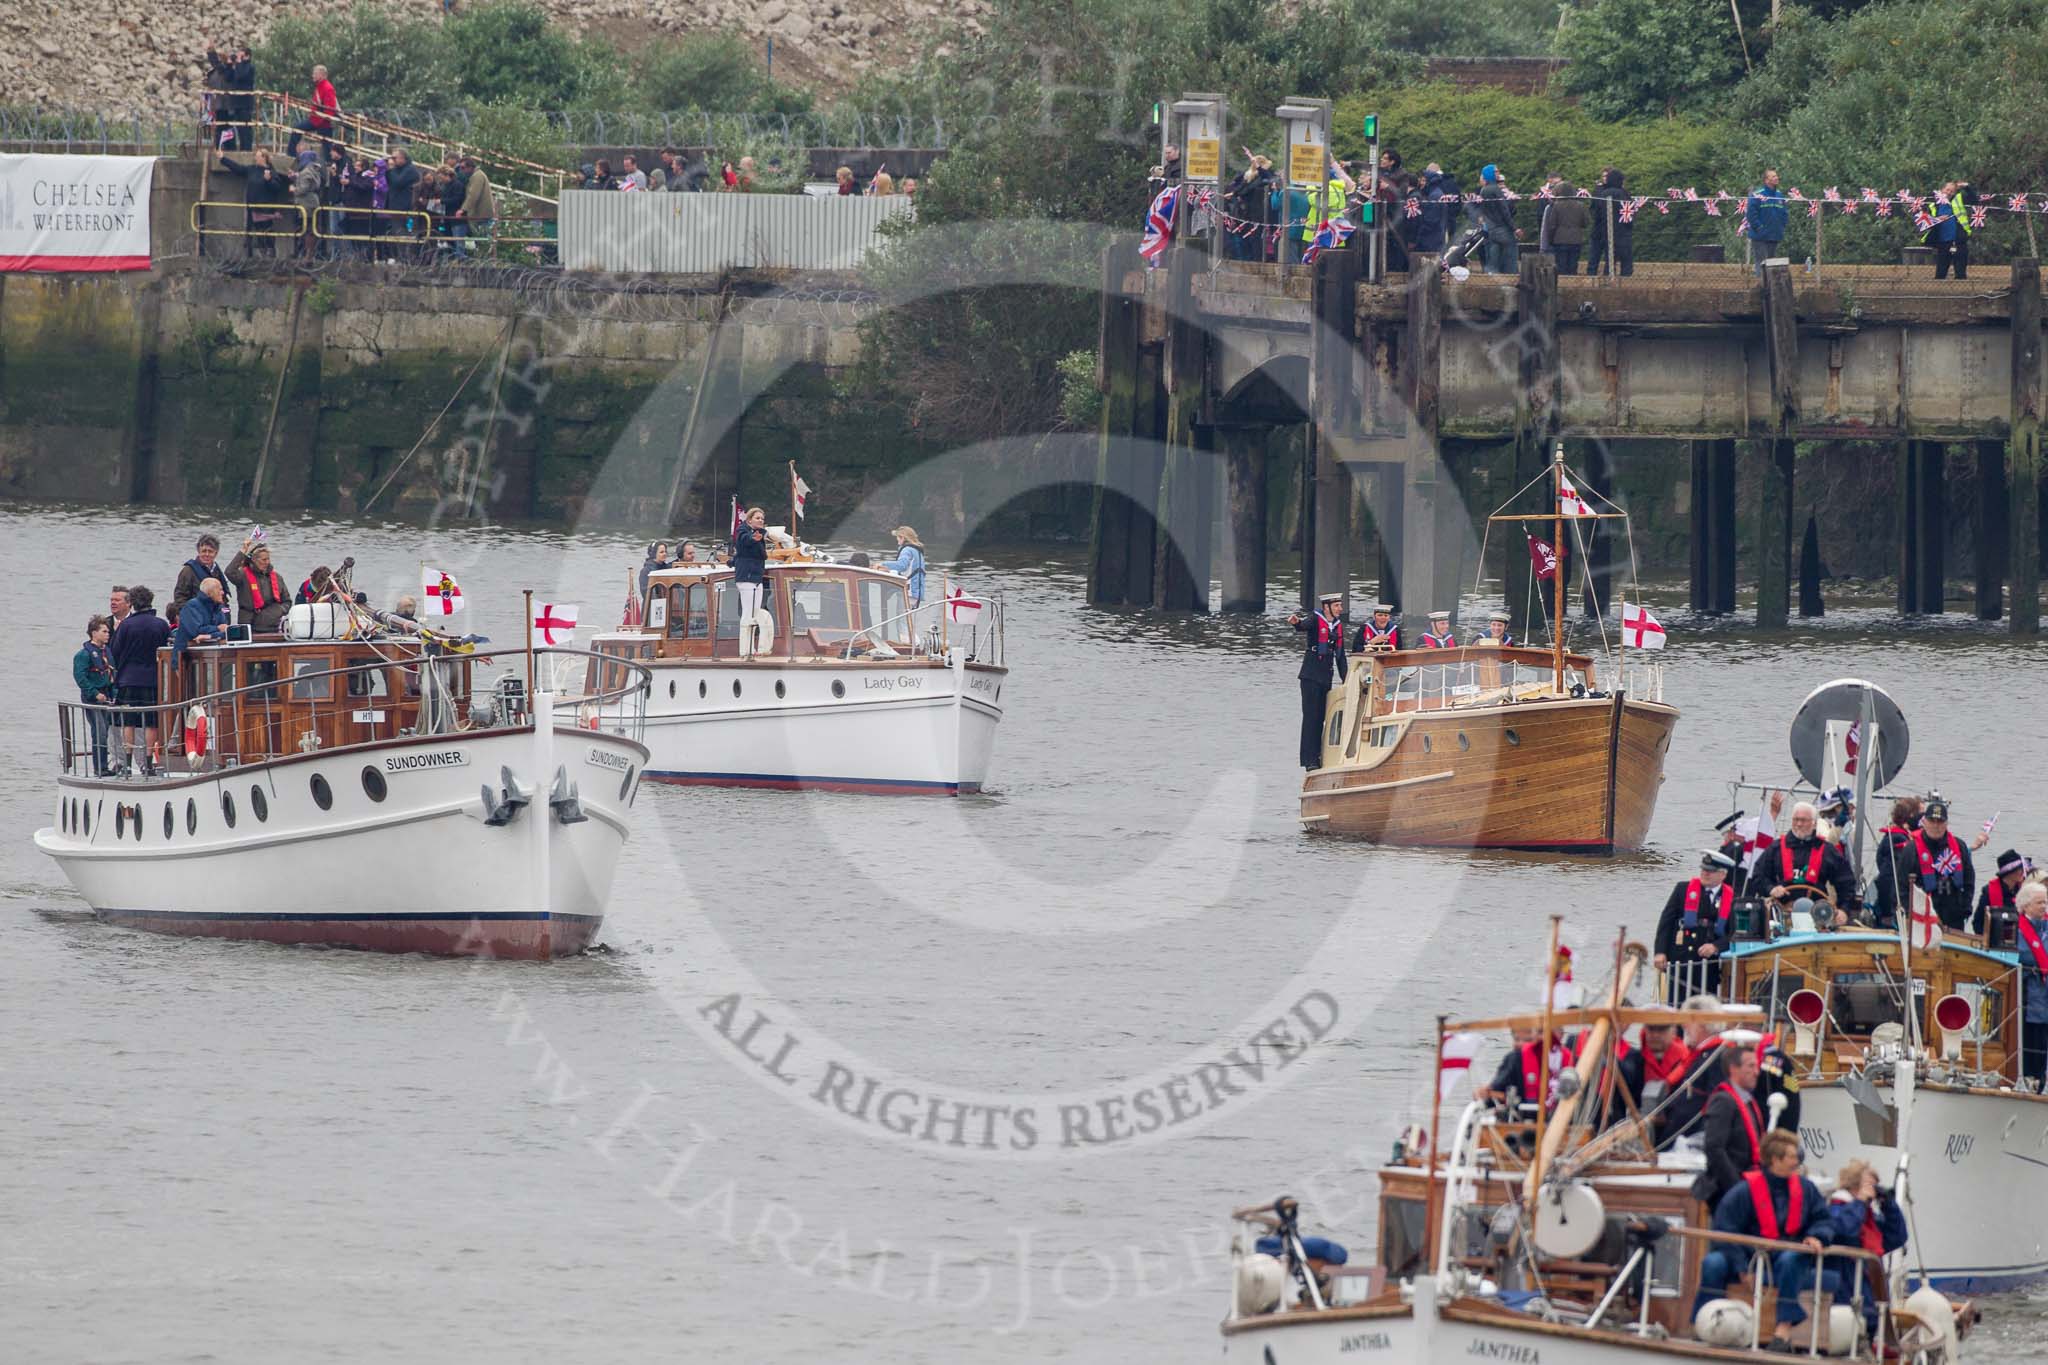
(1576, 774)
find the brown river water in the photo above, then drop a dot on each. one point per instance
(1023, 1084)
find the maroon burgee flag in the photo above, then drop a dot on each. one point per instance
(1542, 558)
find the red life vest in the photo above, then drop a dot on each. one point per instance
(1767, 1212)
(256, 587)
(1750, 1115)
(1928, 877)
(1532, 1068)
(1812, 877)
(1444, 641)
(1671, 1067)
(1367, 633)
(1326, 628)
(2034, 944)
(1994, 893)
(1692, 901)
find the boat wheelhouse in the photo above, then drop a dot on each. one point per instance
(837, 684)
(382, 791)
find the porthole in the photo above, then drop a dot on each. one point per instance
(626, 785)
(735, 687)
(373, 783)
(1510, 736)
(259, 803)
(70, 815)
(191, 815)
(227, 808)
(323, 795)
(135, 820)
(671, 689)
(1463, 743)
(780, 690)
(1425, 744)
(170, 824)
(999, 692)
(838, 688)
(702, 690)
(85, 819)
(120, 820)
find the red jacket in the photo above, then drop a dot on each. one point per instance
(325, 99)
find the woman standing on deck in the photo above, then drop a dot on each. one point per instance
(750, 565)
(909, 562)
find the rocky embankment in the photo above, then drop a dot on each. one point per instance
(148, 55)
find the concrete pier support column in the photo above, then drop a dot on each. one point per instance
(1922, 528)
(1333, 523)
(1713, 527)
(1187, 486)
(2023, 470)
(1389, 520)
(1992, 530)
(1126, 478)
(1243, 563)
(1774, 539)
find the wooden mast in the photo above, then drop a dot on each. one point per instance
(1558, 577)
(1551, 1137)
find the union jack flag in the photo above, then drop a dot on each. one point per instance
(1884, 208)
(1414, 208)
(1813, 208)
(1922, 219)
(1949, 863)
(1333, 233)
(1713, 209)
(1628, 209)
(2018, 203)
(1159, 225)
(1977, 216)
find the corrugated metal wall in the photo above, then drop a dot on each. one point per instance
(700, 233)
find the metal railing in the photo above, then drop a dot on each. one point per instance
(282, 714)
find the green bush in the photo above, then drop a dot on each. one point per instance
(376, 59)
(1638, 58)
(506, 52)
(1528, 136)
(1080, 399)
(718, 72)
(1472, 28)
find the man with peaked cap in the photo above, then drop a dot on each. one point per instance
(1837, 808)
(1941, 865)
(1732, 841)
(1380, 632)
(1439, 636)
(1693, 930)
(2001, 891)
(1497, 629)
(1321, 663)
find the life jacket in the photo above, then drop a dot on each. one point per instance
(2034, 944)
(1368, 632)
(1994, 893)
(1671, 1067)
(1443, 641)
(1929, 879)
(1329, 634)
(1532, 1063)
(1812, 877)
(1692, 902)
(1750, 1114)
(1767, 1212)
(256, 587)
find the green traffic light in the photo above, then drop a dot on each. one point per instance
(1372, 127)
(1365, 214)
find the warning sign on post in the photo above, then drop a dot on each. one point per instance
(1204, 158)
(1306, 162)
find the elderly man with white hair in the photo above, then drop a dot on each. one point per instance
(1803, 863)
(2033, 925)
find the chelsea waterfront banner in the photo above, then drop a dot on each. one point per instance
(74, 212)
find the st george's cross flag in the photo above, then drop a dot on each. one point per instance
(1639, 628)
(799, 491)
(961, 609)
(554, 624)
(1569, 503)
(440, 594)
(1455, 1071)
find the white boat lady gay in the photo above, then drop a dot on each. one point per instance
(353, 788)
(836, 684)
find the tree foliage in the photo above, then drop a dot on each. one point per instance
(714, 71)
(1473, 28)
(1632, 58)
(378, 59)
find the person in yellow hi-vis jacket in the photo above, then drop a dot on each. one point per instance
(1329, 201)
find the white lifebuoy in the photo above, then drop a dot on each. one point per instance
(762, 637)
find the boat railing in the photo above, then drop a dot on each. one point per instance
(407, 694)
(934, 631)
(1643, 681)
(1474, 677)
(1765, 1251)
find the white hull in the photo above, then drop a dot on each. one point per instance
(887, 728)
(1979, 1176)
(419, 870)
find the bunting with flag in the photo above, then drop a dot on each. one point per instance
(1159, 225)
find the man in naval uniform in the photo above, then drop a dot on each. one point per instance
(1380, 632)
(1693, 931)
(1439, 636)
(1497, 629)
(1322, 662)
